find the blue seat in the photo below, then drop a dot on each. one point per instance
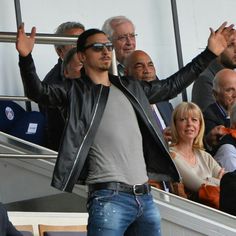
(26, 233)
(30, 126)
(25, 230)
(65, 233)
(10, 112)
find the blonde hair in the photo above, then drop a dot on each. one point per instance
(181, 110)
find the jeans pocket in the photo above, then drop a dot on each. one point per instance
(100, 196)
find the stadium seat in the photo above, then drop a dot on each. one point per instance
(26, 230)
(27, 125)
(30, 127)
(69, 230)
(10, 112)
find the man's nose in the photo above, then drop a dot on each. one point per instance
(145, 69)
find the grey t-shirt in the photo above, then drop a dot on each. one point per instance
(117, 151)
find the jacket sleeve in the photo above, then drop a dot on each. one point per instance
(39, 92)
(160, 90)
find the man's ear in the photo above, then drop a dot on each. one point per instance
(215, 94)
(65, 72)
(81, 56)
(59, 52)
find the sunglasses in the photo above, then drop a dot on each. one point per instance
(98, 47)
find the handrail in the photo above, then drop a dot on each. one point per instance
(28, 156)
(15, 98)
(40, 38)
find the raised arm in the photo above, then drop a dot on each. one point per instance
(165, 89)
(24, 43)
(47, 95)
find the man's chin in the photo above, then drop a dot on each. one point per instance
(104, 68)
(128, 52)
(148, 79)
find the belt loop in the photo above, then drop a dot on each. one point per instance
(117, 187)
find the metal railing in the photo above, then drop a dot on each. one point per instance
(15, 98)
(28, 156)
(40, 38)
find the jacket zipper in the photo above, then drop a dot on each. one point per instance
(85, 136)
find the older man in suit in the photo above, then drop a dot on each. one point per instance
(140, 66)
(217, 115)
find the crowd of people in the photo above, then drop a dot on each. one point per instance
(115, 133)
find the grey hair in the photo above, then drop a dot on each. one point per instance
(62, 28)
(108, 26)
(233, 115)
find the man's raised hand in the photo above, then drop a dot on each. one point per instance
(24, 43)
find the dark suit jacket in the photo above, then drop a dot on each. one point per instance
(202, 88)
(6, 227)
(213, 116)
(165, 108)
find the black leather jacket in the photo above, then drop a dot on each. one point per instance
(85, 102)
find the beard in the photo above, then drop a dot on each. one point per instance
(105, 66)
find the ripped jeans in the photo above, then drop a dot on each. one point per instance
(113, 213)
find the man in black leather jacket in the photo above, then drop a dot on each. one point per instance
(87, 101)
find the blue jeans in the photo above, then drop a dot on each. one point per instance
(113, 213)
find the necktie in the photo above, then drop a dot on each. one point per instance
(120, 69)
(157, 119)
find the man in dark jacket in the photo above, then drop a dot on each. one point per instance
(111, 139)
(6, 227)
(217, 114)
(55, 76)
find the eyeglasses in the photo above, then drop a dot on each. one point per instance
(125, 37)
(98, 47)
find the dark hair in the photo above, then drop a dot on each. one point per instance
(81, 42)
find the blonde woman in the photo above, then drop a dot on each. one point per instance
(195, 165)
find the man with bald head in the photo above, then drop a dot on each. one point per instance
(217, 114)
(140, 66)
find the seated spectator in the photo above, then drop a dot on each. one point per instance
(226, 153)
(6, 227)
(54, 76)
(217, 115)
(140, 66)
(194, 164)
(202, 87)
